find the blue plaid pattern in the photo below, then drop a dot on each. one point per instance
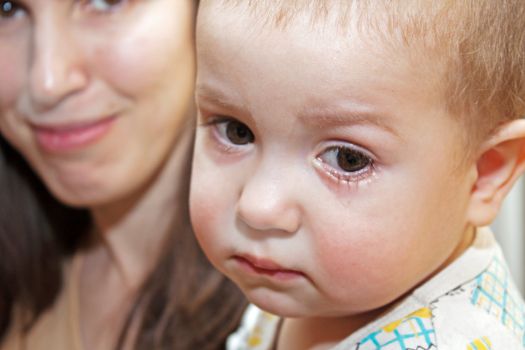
(495, 294)
(412, 332)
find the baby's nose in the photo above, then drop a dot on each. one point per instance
(267, 203)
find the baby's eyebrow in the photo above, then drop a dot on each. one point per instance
(214, 96)
(343, 116)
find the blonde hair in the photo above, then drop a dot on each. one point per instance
(479, 43)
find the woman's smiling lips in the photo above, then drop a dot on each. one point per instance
(266, 267)
(68, 137)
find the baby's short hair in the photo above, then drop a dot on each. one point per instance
(478, 44)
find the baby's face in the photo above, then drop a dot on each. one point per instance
(326, 178)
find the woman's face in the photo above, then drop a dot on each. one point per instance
(94, 92)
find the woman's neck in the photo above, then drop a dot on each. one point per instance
(131, 233)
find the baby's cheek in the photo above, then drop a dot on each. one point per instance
(341, 260)
(355, 272)
(208, 207)
(202, 220)
(203, 215)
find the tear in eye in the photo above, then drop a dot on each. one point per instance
(238, 133)
(350, 160)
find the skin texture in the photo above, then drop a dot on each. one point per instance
(73, 62)
(68, 63)
(355, 242)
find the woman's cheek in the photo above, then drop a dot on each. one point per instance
(11, 76)
(12, 84)
(166, 46)
(126, 69)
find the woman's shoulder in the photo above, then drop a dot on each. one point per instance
(56, 328)
(13, 337)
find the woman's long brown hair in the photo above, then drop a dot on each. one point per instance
(185, 304)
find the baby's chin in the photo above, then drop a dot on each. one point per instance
(275, 302)
(285, 305)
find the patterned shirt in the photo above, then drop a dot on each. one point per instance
(472, 304)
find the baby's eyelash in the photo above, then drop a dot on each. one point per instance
(209, 121)
(214, 120)
(345, 165)
(228, 134)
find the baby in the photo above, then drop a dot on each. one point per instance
(349, 156)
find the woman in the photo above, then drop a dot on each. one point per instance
(96, 251)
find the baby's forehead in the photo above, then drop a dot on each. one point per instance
(324, 67)
(387, 17)
(284, 13)
(391, 26)
(476, 45)
(330, 26)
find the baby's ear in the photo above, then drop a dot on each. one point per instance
(500, 163)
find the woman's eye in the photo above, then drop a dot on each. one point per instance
(9, 9)
(103, 5)
(345, 159)
(235, 132)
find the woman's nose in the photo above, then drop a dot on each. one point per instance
(268, 203)
(57, 69)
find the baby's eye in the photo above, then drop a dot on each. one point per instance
(345, 164)
(346, 159)
(235, 132)
(9, 9)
